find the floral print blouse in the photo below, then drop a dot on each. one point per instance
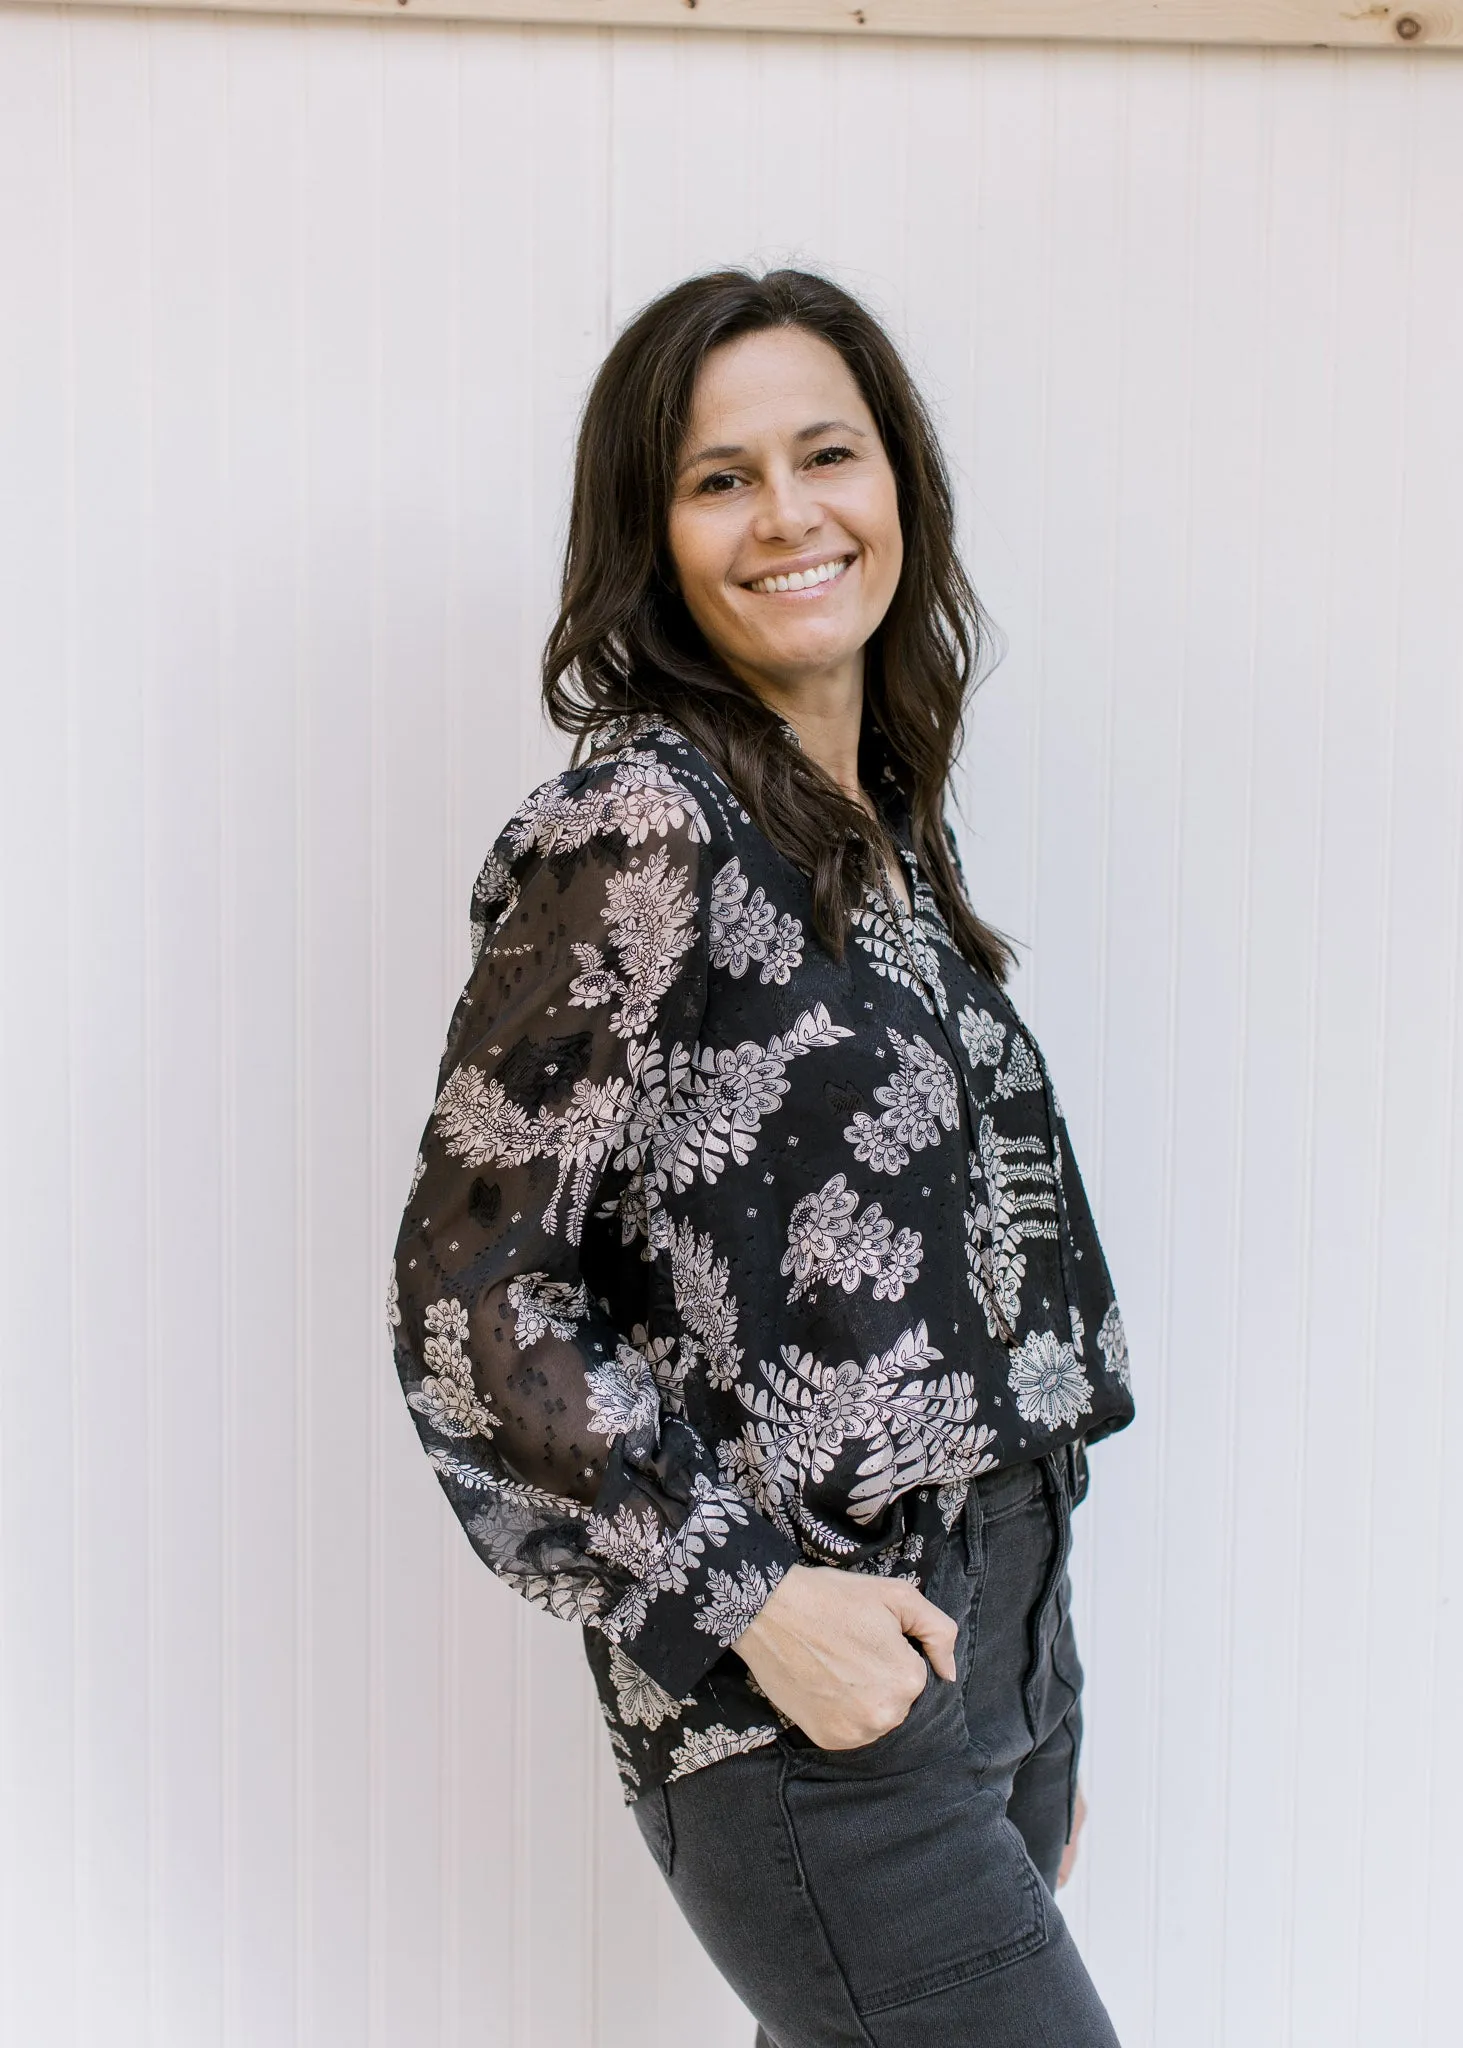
(721, 1255)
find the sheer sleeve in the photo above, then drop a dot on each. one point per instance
(517, 1279)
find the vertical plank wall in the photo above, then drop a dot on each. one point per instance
(294, 320)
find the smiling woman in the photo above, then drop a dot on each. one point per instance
(784, 531)
(747, 1297)
(742, 430)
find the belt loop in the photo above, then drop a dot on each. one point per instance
(970, 1527)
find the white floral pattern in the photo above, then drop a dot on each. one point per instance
(734, 1602)
(1013, 1204)
(677, 1293)
(703, 1746)
(640, 1701)
(1048, 1381)
(983, 1038)
(920, 1100)
(828, 1241)
(447, 1397)
(545, 1308)
(746, 929)
(1112, 1342)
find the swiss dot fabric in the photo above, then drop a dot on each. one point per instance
(721, 1255)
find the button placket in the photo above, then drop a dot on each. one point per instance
(984, 1251)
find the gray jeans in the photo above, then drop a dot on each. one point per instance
(899, 1895)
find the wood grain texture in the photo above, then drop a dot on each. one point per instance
(1299, 24)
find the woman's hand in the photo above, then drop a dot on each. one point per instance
(831, 1648)
(1069, 1854)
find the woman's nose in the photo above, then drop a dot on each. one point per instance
(785, 511)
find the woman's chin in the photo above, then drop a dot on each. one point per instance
(794, 658)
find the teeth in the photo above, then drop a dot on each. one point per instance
(801, 579)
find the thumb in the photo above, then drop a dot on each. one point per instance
(928, 1624)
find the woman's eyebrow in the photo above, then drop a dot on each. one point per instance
(728, 451)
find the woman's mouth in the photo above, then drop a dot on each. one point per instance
(816, 577)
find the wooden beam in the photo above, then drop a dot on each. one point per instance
(1332, 24)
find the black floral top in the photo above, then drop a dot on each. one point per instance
(722, 1255)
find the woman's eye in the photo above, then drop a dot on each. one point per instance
(718, 484)
(826, 457)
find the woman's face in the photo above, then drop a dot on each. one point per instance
(784, 522)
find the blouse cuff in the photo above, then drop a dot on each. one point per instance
(704, 1562)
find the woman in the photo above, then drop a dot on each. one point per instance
(747, 1298)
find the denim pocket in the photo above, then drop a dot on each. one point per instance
(653, 1818)
(798, 1740)
(1066, 1663)
(918, 1878)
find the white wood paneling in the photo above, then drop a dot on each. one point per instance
(294, 325)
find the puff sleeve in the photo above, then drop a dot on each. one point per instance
(525, 1252)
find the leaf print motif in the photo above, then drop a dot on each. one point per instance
(447, 1398)
(921, 1098)
(746, 928)
(719, 1112)
(661, 1560)
(479, 1122)
(983, 1038)
(641, 1702)
(546, 1308)
(624, 1761)
(515, 1530)
(644, 797)
(1112, 1342)
(922, 1431)
(1047, 1379)
(494, 883)
(493, 897)
(885, 943)
(927, 1431)
(1020, 1073)
(393, 1301)
(734, 1603)
(481, 1125)
(669, 1362)
(704, 1746)
(826, 1240)
(699, 1281)
(1019, 1206)
(645, 976)
(651, 913)
(799, 1423)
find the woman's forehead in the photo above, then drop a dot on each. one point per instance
(778, 380)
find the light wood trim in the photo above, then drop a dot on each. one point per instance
(1338, 24)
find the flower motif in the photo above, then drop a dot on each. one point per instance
(921, 1098)
(817, 1223)
(1050, 1386)
(747, 928)
(447, 1397)
(983, 1038)
(1112, 1342)
(545, 1308)
(623, 1397)
(827, 1241)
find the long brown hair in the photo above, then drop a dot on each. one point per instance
(624, 641)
